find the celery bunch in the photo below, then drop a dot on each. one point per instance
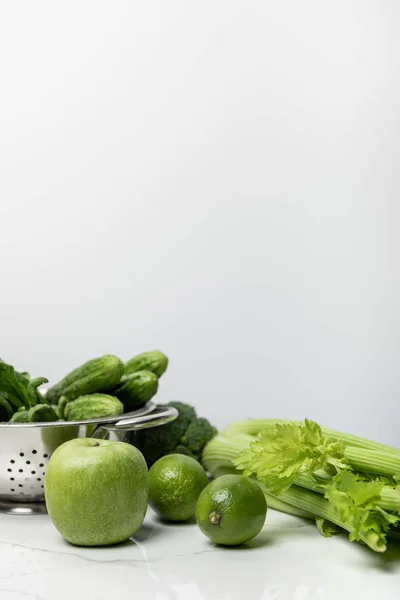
(340, 480)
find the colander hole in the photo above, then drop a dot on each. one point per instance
(12, 461)
(21, 493)
(20, 470)
(38, 479)
(11, 478)
(20, 485)
(28, 462)
(33, 472)
(42, 486)
(45, 455)
(41, 465)
(9, 470)
(34, 451)
(21, 454)
(12, 490)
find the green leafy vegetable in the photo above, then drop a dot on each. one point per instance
(19, 392)
(357, 504)
(6, 410)
(326, 528)
(11, 386)
(282, 453)
(34, 395)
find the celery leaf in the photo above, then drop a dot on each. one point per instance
(356, 503)
(326, 528)
(281, 453)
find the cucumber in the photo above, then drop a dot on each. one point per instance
(97, 375)
(93, 406)
(62, 403)
(136, 389)
(42, 413)
(21, 416)
(154, 361)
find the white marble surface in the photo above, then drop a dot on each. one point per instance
(288, 561)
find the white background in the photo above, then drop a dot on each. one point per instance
(216, 179)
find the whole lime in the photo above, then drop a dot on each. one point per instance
(231, 510)
(96, 491)
(175, 483)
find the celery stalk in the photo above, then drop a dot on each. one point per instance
(372, 461)
(256, 426)
(316, 504)
(389, 497)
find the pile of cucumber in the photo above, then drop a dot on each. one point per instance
(102, 387)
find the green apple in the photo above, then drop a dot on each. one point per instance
(96, 491)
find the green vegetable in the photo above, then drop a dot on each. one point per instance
(17, 393)
(97, 375)
(198, 431)
(188, 435)
(11, 386)
(34, 395)
(154, 361)
(342, 480)
(41, 413)
(62, 403)
(326, 528)
(6, 410)
(93, 406)
(21, 416)
(136, 389)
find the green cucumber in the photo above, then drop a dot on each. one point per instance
(42, 413)
(136, 389)
(21, 416)
(62, 403)
(97, 375)
(154, 361)
(93, 406)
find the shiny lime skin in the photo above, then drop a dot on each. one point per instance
(231, 510)
(175, 483)
(96, 491)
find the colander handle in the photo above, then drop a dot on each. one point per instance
(159, 416)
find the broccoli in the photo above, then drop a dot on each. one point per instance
(188, 434)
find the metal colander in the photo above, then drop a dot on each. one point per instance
(26, 448)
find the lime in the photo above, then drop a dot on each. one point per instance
(231, 510)
(175, 483)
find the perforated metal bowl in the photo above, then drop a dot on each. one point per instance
(26, 448)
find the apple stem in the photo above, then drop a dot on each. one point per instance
(96, 444)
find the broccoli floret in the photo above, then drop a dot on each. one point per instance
(188, 434)
(196, 436)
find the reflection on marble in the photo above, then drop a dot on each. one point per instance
(289, 560)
